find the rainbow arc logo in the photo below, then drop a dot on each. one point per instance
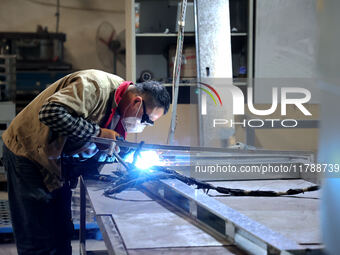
(238, 101)
(209, 90)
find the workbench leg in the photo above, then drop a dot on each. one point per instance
(82, 225)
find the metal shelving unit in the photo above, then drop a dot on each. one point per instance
(149, 45)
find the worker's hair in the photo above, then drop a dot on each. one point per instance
(154, 94)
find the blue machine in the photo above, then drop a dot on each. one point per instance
(29, 81)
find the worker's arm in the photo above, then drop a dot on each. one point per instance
(59, 119)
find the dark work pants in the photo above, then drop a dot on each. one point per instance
(41, 220)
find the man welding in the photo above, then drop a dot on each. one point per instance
(59, 123)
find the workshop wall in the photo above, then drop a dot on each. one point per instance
(79, 19)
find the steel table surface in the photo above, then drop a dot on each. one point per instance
(296, 217)
(138, 223)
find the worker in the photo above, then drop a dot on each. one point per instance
(59, 123)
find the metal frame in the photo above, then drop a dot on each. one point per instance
(112, 238)
(224, 221)
(246, 233)
(213, 215)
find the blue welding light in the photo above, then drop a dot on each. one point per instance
(146, 159)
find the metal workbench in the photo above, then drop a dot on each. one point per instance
(137, 222)
(170, 217)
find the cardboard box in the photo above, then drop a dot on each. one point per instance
(188, 67)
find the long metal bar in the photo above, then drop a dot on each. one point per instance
(198, 149)
(246, 233)
(113, 240)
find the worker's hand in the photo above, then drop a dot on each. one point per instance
(107, 133)
(86, 153)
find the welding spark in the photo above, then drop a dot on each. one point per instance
(145, 160)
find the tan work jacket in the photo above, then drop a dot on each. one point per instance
(87, 93)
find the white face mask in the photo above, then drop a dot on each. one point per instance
(133, 124)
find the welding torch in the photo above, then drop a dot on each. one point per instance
(112, 149)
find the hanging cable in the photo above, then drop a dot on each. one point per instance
(177, 71)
